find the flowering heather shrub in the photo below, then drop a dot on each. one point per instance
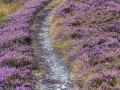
(92, 28)
(12, 77)
(14, 59)
(17, 59)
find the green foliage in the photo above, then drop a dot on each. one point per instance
(3, 20)
(97, 82)
(113, 82)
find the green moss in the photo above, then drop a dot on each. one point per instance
(93, 71)
(8, 79)
(35, 72)
(36, 88)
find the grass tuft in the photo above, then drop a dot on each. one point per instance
(6, 8)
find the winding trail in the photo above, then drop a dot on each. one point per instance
(57, 75)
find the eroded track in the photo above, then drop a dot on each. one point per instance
(57, 75)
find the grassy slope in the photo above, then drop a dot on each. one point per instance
(19, 41)
(60, 45)
(63, 48)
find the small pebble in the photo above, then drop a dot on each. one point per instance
(63, 87)
(58, 89)
(57, 85)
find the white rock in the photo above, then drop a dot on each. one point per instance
(63, 87)
(58, 89)
(57, 85)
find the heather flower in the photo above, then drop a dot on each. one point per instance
(21, 88)
(110, 73)
(7, 72)
(73, 56)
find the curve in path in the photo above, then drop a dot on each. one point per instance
(57, 77)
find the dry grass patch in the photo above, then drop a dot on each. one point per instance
(7, 8)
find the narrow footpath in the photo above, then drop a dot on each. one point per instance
(56, 77)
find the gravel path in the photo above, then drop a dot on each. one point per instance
(57, 76)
